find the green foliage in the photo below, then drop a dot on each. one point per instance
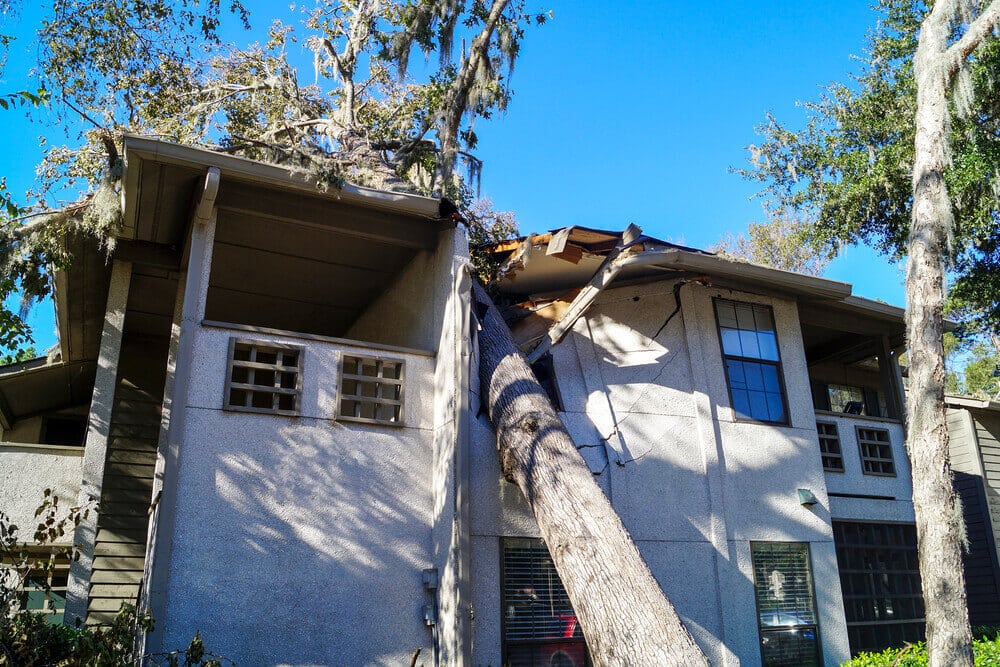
(986, 650)
(158, 67)
(26, 354)
(23, 98)
(30, 639)
(783, 242)
(849, 168)
(981, 374)
(487, 227)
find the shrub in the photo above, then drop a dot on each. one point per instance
(31, 639)
(986, 650)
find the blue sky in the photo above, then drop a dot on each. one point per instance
(623, 112)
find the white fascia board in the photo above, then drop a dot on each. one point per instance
(970, 402)
(796, 283)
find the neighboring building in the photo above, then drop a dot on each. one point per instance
(272, 392)
(974, 430)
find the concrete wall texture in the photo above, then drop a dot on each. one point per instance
(26, 471)
(304, 539)
(317, 529)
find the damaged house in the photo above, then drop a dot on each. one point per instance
(272, 393)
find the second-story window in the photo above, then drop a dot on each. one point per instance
(876, 452)
(264, 377)
(829, 447)
(753, 365)
(371, 390)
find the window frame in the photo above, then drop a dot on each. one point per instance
(737, 416)
(55, 562)
(276, 390)
(812, 599)
(858, 429)
(824, 455)
(505, 652)
(875, 589)
(379, 380)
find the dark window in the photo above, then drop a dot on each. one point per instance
(753, 365)
(880, 578)
(539, 625)
(371, 390)
(545, 373)
(71, 430)
(855, 400)
(829, 447)
(264, 377)
(876, 452)
(786, 607)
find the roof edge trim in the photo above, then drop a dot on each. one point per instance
(810, 286)
(146, 148)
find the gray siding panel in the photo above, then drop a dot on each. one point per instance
(120, 549)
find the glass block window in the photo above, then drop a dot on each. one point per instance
(880, 578)
(753, 365)
(786, 606)
(264, 377)
(539, 625)
(876, 452)
(371, 390)
(829, 447)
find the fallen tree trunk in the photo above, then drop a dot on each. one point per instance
(626, 618)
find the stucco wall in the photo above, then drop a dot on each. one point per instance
(410, 312)
(301, 540)
(693, 485)
(26, 471)
(895, 494)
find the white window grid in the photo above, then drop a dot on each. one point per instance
(829, 447)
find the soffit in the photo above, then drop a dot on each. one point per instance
(41, 389)
(80, 295)
(269, 273)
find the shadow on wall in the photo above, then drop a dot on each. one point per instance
(692, 491)
(307, 544)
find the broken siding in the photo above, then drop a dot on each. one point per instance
(119, 552)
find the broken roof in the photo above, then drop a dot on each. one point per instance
(569, 257)
(557, 275)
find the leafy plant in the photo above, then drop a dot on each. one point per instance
(986, 651)
(30, 639)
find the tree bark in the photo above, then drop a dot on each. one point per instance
(940, 529)
(626, 618)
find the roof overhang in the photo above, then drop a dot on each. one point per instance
(34, 388)
(970, 402)
(534, 269)
(162, 179)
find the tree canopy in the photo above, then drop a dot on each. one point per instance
(333, 91)
(849, 168)
(782, 242)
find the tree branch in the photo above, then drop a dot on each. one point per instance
(973, 37)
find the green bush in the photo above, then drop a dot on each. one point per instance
(986, 650)
(32, 639)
